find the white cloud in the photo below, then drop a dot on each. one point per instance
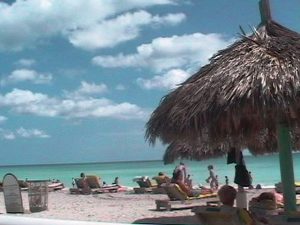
(8, 136)
(22, 133)
(92, 88)
(129, 4)
(170, 19)
(27, 23)
(86, 89)
(22, 75)
(27, 102)
(168, 80)
(169, 52)
(2, 119)
(30, 133)
(25, 62)
(123, 28)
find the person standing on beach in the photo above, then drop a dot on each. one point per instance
(73, 182)
(226, 180)
(177, 179)
(189, 181)
(212, 179)
(217, 183)
(116, 181)
(250, 180)
(86, 188)
(181, 167)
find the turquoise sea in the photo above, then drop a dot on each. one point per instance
(265, 170)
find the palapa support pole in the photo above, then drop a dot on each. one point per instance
(241, 199)
(265, 12)
(284, 139)
(286, 168)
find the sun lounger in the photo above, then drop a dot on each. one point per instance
(161, 180)
(168, 220)
(145, 185)
(268, 208)
(142, 190)
(96, 185)
(279, 188)
(94, 181)
(215, 216)
(79, 182)
(177, 196)
(263, 207)
(145, 182)
(293, 219)
(81, 187)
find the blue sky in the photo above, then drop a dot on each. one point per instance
(80, 78)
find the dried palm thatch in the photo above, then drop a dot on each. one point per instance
(179, 150)
(239, 97)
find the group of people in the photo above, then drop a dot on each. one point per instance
(186, 178)
(179, 178)
(227, 195)
(83, 183)
(184, 181)
(83, 177)
(257, 205)
(212, 179)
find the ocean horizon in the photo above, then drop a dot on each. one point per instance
(265, 170)
(74, 163)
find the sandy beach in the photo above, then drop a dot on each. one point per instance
(123, 207)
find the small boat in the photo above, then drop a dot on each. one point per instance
(55, 186)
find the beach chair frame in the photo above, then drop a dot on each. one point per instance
(178, 197)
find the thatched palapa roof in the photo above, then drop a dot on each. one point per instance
(182, 150)
(239, 97)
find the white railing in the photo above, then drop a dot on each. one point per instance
(22, 220)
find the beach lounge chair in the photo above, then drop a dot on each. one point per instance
(81, 187)
(97, 186)
(177, 196)
(145, 185)
(216, 216)
(293, 219)
(265, 204)
(279, 188)
(145, 182)
(161, 180)
(94, 181)
(79, 183)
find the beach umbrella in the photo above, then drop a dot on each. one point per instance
(246, 97)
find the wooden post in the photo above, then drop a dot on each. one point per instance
(265, 12)
(286, 168)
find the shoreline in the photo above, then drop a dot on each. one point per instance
(127, 171)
